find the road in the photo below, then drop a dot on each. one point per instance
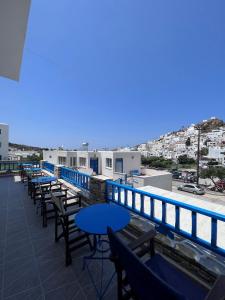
(209, 196)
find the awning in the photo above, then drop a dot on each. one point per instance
(13, 27)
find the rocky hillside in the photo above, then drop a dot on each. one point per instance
(25, 147)
(211, 124)
(207, 126)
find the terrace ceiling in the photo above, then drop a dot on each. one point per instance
(13, 27)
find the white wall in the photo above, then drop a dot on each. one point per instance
(83, 154)
(52, 155)
(217, 153)
(71, 155)
(131, 161)
(105, 170)
(4, 140)
(163, 181)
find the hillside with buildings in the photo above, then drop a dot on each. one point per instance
(185, 142)
(24, 147)
(21, 151)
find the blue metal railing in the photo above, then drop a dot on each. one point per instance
(76, 178)
(155, 208)
(48, 167)
(10, 165)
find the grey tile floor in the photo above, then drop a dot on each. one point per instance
(31, 264)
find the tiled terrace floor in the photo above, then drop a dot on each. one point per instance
(31, 264)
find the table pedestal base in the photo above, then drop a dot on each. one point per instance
(100, 247)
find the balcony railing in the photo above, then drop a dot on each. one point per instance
(76, 178)
(8, 166)
(170, 214)
(48, 167)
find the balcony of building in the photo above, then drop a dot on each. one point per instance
(32, 265)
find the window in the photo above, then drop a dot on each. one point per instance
(0, 144)
(0, 131)
(73, 162)
(108, 162)
(62, 160)
(119, 165)
(82, 161)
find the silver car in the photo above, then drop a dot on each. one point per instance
(192, 188)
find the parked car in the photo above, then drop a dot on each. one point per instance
(190, 178)
(177, 175)
(191, 188)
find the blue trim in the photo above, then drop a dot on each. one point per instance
(94, 164)
(215, 217)
(119, 165)
(15, 165)
(76, 178)
(48, 167)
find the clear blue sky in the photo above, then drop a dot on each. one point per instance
(116, 72)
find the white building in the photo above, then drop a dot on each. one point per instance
(151, 177)
(4, 141)
(112, 164)
(61, 157)
(217, 153)
(117, 164)
(142, 147)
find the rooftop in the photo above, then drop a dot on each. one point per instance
(152, 172)
(32, 265)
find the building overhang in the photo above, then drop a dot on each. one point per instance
(13, 26)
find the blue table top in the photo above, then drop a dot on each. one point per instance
(44, 179)
(27, 165)
(33, 169)
(95, 218)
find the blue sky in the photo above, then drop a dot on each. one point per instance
(116, 72)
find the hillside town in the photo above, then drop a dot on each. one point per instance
(16, 152)
(185, 142)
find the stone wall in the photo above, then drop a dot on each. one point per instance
(97, 188)
(57, 171)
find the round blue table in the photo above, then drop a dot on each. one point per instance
(96, 218)
(33, 169)
(44, 179)
(26, 166)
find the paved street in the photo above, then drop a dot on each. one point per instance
(209, 196)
